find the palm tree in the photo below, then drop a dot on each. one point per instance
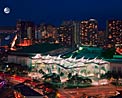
(103, 68)
(61, 74)
(42, 72)
(83, 71)
(49, 70)
(69, 75)
(99, 70)
(59, 70)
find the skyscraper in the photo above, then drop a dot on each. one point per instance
(26, 31)
(114, 33)
(76, 33)
(65, 35)
(102, 39)
(69, 33)
(89, 32)
(48, 33)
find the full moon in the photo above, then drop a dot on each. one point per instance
(7, 10)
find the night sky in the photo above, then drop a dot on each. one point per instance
(55, 11)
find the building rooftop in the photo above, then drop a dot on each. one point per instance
(42, 48)
(114, 60)
(39, 48)
(93, 52)
(86, 52)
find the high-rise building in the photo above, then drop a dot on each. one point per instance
(89, 32)
(114, 33)
(76, 33)
(26, 32)
(69, 33)
(102, 39)
(65, 35)
(37, 34)
(47, 33)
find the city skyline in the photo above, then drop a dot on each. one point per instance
(54, 12)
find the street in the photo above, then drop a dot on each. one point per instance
(108, 90)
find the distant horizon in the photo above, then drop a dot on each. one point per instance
(101, 23)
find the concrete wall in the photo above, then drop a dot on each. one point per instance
(19, 60)
(116, 67)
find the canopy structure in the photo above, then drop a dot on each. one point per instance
(81, 66)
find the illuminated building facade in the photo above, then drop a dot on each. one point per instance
(26, 32)
(76, 33)
(101, 38)
(114, 30)
(89, 32)
(47, 33)
(65, 35)
(69, 33)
